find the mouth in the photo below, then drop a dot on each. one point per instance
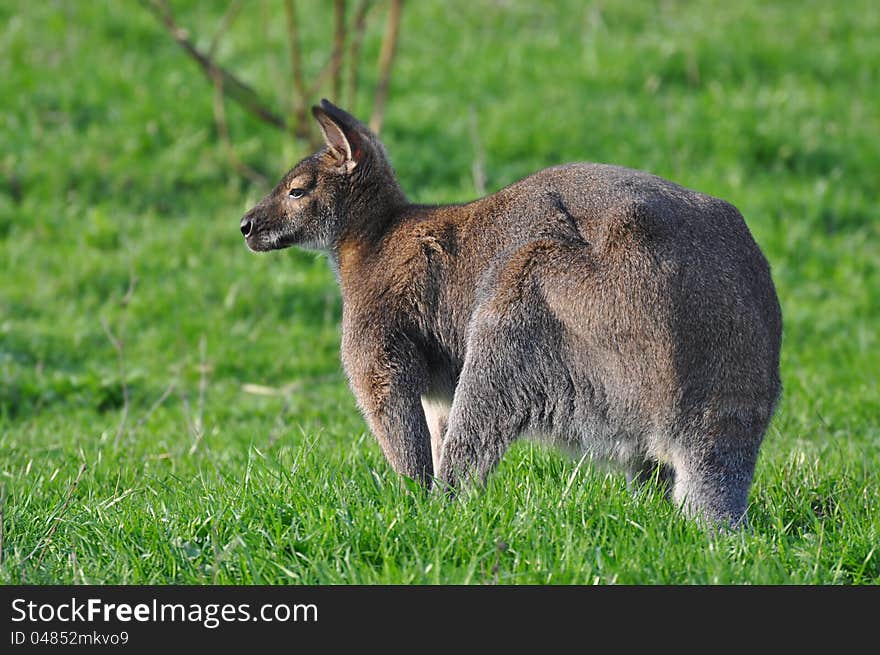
(264, 242)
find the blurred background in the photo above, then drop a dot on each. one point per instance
(133, 135)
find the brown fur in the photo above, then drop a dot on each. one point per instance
(600, 308)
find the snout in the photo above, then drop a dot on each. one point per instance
(247, 226)
(250, 230)
(265, 228)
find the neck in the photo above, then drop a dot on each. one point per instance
(368, 228)
(372, 212)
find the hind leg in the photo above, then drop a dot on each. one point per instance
(482, 422)
(713, 476)
(509, 377)
(514, 374)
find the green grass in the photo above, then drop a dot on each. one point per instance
(110, 168)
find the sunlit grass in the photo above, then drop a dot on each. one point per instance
(242, 457)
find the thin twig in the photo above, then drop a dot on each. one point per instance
(300, 95)
(299, 82)
(197, 426)
(132, 281)
(263, 390)
(386, 59)
(338, 49)
(324, 73)
(232, 86)
(197, 434)
(203, 383)
(287, 389)
(219, 105)
(354, 54)
(187, 412)
(165, 394)
(44, 543)
(278, 424)
(478, 167)
(223, 132)
(119, 346)
(195, 446)
(225, 23)
(280, 79)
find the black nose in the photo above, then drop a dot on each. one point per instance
(246, 226)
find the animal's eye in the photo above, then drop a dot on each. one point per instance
(297, 193)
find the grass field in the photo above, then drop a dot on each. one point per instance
(241, 456)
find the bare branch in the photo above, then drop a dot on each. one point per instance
(354, 53)
(165, 394)
(196, 425)
(243, 94)
(338, 49)
(323, 75)
(478, 167)
(278, 423)
(386, 59)
(132, 281)
(223, 132)
(346, 37)
(203, 383)
(119, 346)
(299, 97)
(197, 434)
(225, 22)
(299, 82)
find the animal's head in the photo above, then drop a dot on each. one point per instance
(348, 182)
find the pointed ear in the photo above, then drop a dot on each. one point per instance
(341, 136)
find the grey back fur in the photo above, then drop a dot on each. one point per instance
(599, 308)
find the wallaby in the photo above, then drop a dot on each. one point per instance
(599, 308)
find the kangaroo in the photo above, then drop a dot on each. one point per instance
(598, 308)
